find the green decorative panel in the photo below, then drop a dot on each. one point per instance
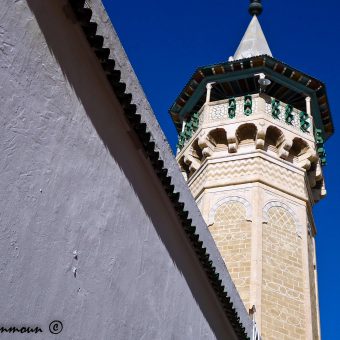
(275, 108)
(318, 137)
(248, 104)
(195, 121)
(232, 108)
(190, 128)
(304, 121)
(289, 114)
(320, 147)
(181, 141)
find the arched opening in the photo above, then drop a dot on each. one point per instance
(184, 168)
(196, 151)
(218, 138)
(274, 138)
(299, 147)
(246, 135)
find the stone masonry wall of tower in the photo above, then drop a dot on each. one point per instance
(313, 283)
(251, 147)
(232, 234)
(282, 278)
(248, 175)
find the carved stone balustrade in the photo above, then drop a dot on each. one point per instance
(249, 123)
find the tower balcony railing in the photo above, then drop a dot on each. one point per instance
(224, 111)
(247, 108)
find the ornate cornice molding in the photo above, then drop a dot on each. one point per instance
(250, 170)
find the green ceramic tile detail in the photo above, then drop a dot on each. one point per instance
(190, 128)
(248, 104)
(304, 121)
(320, 147)
(275, 108)
(232, 108)
(289, 117)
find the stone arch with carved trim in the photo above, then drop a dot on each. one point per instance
(278, 204)
(224, 200)
(283, 274)
(231, 229)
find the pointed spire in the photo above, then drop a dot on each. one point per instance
(253, 42)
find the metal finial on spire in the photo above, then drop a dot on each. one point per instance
(255, 7)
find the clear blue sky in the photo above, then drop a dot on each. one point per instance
(167, 40)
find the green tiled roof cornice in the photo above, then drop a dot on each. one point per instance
(280, 72)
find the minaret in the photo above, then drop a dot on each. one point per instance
(251, 146)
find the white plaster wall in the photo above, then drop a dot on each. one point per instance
(73, 178)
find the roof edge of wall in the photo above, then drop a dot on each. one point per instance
(101, 36)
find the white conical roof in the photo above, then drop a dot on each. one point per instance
(253, 42)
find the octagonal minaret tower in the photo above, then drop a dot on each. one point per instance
(251, 147)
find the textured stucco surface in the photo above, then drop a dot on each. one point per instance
(73, 178)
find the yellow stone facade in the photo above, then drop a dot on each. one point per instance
(232, 234)
(283, 313)
(313, 286)
(255, 180)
